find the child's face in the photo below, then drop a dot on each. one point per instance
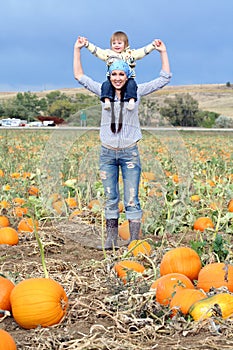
(118, 45)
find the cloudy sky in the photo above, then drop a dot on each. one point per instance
(37, 38)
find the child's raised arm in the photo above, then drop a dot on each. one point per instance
(137, 54)
(97, 51)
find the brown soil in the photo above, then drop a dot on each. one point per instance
(103, 313)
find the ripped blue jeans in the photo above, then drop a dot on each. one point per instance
(128, 160)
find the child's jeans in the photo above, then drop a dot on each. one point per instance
(130, 90)
(128, 160)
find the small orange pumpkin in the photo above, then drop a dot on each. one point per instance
(123, 230)
(33, 190)
(18, 201)
(230, 206)
(169, 284)
(123, 268)
(195, 198)
(94, 203)
(138, 247)
(8, 235)
(4, 221)
(148, 176)
(202, 223)
(38, 302)
(6, 287)
(183, 260)
(6, 341)
(20, 211)
(215, 275)
(184, 298)
(28, 225)
(71, 202)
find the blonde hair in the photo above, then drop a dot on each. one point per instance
(120, 36)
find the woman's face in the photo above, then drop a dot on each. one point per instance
(118, 79)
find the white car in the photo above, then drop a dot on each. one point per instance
(35, 124)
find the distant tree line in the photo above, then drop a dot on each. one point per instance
(180, 110)
(28, 105)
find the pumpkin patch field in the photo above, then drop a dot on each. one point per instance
(171, 289)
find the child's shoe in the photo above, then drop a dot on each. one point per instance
(107, 106)
(131, 105)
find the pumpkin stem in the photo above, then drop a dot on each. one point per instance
(41, 252)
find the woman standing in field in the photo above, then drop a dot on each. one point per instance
(119, 133)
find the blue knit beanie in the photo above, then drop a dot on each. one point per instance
(120, 65)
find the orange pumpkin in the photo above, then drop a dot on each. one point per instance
(154, 285)
(215, 275)
(38, 302)
(20, 211)
(6, 287)
(75, 213)
(59, 207)
(94, 203)
(18, 201)
(123, 230)
(169, 284)
(4, 204)
(71, 202)
(4, 221)
(33, 191)
(183, 260)
(230, 206)
(184, 298)
(140, 247)
(123, 268)
(148, 176)
(6, 341)
(195, 198)
(202, 223)
(8, 235)
(28, 225)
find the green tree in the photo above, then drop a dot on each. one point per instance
(24, 106)
(148, 110)
(54, 96)
(181, 110)
(61, 109)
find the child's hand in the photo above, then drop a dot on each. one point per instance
(159, 45)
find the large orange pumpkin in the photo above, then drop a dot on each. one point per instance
(169, 284)
(38, 302)
(6, 287)
(215, 275)
(6, 341)
(123, 268)
(184, 298)
(8, 235)
(183, 260)
(202, 223)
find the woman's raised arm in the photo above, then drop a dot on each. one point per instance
(77, 64)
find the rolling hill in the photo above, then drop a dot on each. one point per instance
(212, 97)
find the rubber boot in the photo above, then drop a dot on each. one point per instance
(112, 235)
(134, 230)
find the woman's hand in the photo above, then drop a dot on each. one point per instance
(80, 42)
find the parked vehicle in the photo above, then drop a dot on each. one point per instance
(12, 122)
